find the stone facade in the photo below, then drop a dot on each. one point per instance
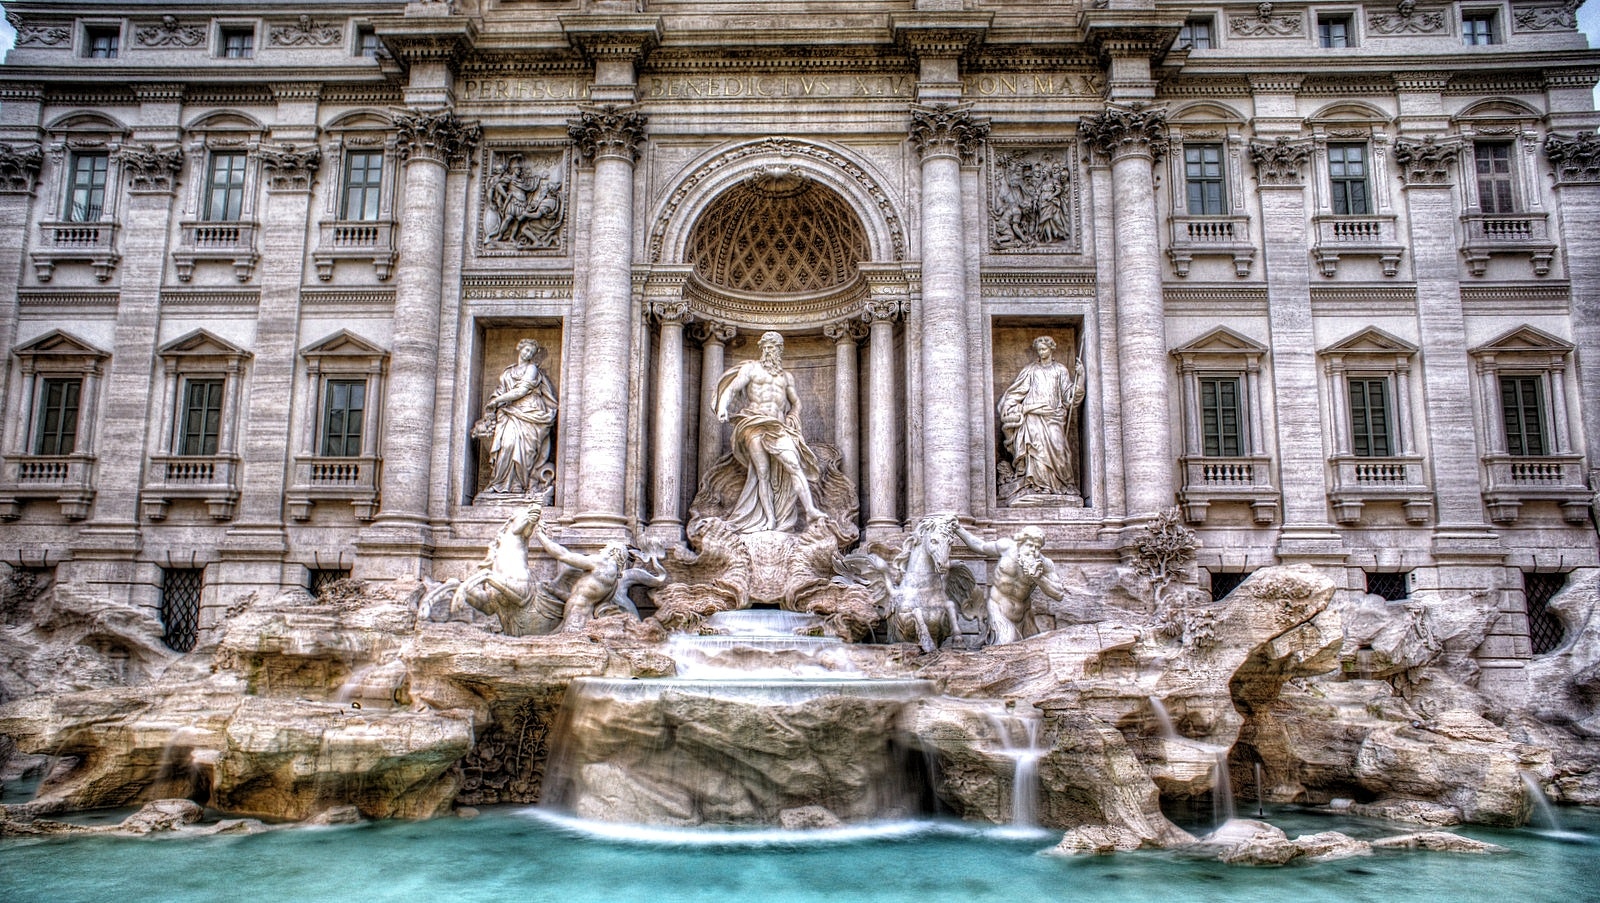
(1334, 278)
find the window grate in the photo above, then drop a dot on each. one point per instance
(180, 606)
(319, 579)
(1225, 582)
(1391, 585)
(1544, 628)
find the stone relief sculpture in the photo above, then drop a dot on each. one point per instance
(1039, 422)
(518, 420)
(1022, 569)
(779, 466)
(524, 207)
(920, 592)
(1032, 201)
(591, 586)
(170, 33)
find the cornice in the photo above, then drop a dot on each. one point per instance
(613, 37)
(442, 39)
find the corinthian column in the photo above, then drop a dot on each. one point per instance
(428, 142)
(610, 136)
(1134, 139)
(943, 135)
(667, 443)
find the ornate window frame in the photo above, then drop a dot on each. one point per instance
(228, 241)
(61, 240)
(1339, 235)
(342, 355)
(211, 478)
(356, 239)
(1198, 235)
(68, 478)
(1244, 478)
(1358, 479)
(1526, 231)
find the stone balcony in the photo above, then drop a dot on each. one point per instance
(214, 479)
(317, 479)
(1514, 480)
(233, 242)
(1359, 480)
(68, 479)
(355, 240)
(1246, 479)
(1356, 236)
(94, 243)
(1211, 236)
(1512, 233)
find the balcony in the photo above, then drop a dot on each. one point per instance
(1246, 479)
(1356, 236)
(1509, 233)
(334, 479)
(66, 478)
(1211, 236)
(355, 240)
(1514, 480)
(234, 242)
(95, 243)
(1359, 480)
(214, 479)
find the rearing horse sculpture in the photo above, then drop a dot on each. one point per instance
(920, 592)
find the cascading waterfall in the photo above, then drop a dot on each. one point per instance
(1222, 791)
(1019, 742)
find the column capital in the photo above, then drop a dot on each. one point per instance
(611, 130)
(149, 168)
(1575, 157)
(1133, 130)
(948, 130)
(669, 311)
(1280, 163)
(436, 136)
(845, 331)
(19, 167)
(710, 332)
(883, 310)
(1426, 162)
(289, 168)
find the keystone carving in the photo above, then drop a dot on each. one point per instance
(150, 168)
(1280, 163)
(439, 137)
(289, 168)
(947, 129)
(1576, 157)
(1425, 162)
(608, 131)
(1123, 131)
(19, 167)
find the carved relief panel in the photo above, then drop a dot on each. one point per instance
(523, 203)
(1033, 199)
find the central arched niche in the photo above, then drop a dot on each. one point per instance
(777, 233)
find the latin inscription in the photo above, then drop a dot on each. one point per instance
(718, 87)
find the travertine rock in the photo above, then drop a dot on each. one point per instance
(1437, 841)
(1096, 839)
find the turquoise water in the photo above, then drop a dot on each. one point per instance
(519, 855)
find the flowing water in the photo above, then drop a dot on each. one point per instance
(529, 857)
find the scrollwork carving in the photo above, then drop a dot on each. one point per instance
(306, 33)
(669, 311)
(150, 168)
(845, 331)
(883, 310)
(1280, 163)
(1576, 157)
(41, 35)
(711, 332)
(19, 167)
(1265, 25)
(610, 130)
(1122, 131)
(169, 33)
(439, 137)
(289, 168)
(1546, 18)
(1405, 20)
(947, 129)
(1425, 162)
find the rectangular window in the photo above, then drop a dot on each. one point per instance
(318, 580)
(1196, 34)
(1391, 585)
(202, 416)
(1347, 170)
(58, 416)
(1478, 29)
(86, 187)
(1494, 177)
(225, 187)
(1220, 417)
(180, 606)
(1371, 432)
(344, 411)
(1202, 173)
(101, 42)
(1544, 628)
(366, 41)
(363, 177)
(1335, 31)
(238, 43)
(1522, 405)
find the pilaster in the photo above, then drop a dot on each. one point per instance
(1576, 159)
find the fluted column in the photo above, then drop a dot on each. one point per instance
(943, 135)
(714, 339)
(428, 142)
(883, 472)
(609, 136)
(846, 389)
(667, 442)
(1134, 138)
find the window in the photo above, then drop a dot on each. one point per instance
(86, 187)
(319, 579)
(202, 416)
(237, 43)
(58, 416)
(1494, 177)
(1336, 31)
(1219, 416)
(1225, 582)
(180, 606)
(1544, 628)
(1478, 29)
(344, 412)
(1371, 433)
(1347, 170)
(1391, 585)
(1202, 172)
(363, 177)
(1522, 405)
(366, 43)
(100, 42)
(1196, 34)
(224, 198)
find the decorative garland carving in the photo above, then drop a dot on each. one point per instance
(39, 35)
(1031, 200)
(1122, 131)
(608, 131)
(1425, 162)
(1265, 25)
(289, 168)
(1545, 18)
(947, 129)
(169, 33)
(439, 137)
(1405, 20)
(524, 201)
(19, 167)
(306, 33)
(150, 168)
(1576, 157)
(1280, 163)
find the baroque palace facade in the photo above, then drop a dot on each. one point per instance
(1331, 272)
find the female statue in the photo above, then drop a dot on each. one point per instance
(519, 416)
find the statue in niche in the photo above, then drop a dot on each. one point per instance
(526, 206)
(1039, 421)
(1021, 569)
(518, 419)
(779, 466)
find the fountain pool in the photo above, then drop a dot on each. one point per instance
(524, 854)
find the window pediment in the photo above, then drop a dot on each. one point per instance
(1220, 342)
(62, 346)
(202, 344)
(1525, 340)
(1370, 342)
